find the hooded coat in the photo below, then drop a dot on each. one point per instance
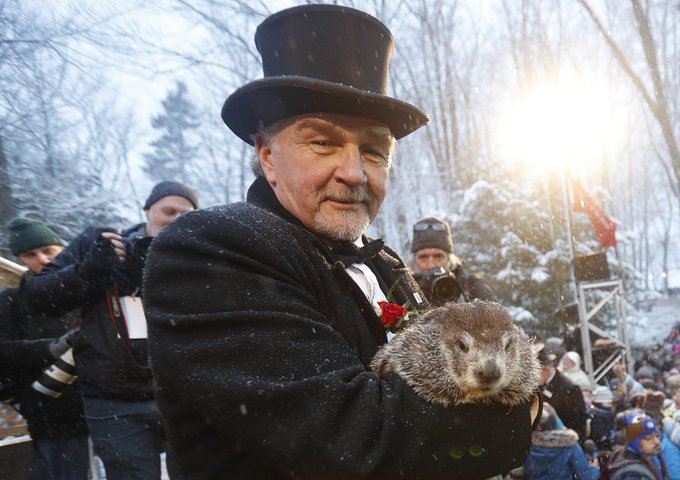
(260, 344)
(557, 455)
(575, 374)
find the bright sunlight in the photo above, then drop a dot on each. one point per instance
(565, 122)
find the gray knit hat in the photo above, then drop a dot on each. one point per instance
(26, 234)
(167, 188)
(431, 232)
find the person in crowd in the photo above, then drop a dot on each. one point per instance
(264, 315)
(555, 452)
(433, 250)
(641, 456)
(627, 386)
(570, 366)
(30, 343)
(562, 394)
(601, 415)
(647, 376)
(101, 272)
(602, 425)
(670, 440)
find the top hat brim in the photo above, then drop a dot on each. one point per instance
(268, 100)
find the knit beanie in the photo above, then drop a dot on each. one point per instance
(431, 232)
(167, 188)
(602, 395)
(26, 234)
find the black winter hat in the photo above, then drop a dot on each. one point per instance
(431, 232)
(26, 234)
(168, 188)
(320, 59)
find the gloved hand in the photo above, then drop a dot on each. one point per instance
(61, 344)
(98, 261)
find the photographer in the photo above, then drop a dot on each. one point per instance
(438, 270)
(28, 344)
(101, 272)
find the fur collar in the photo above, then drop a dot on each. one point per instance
(554, 438)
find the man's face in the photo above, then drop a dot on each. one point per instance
(165, 211)
(426, 258)
(650, 445)
(330, 171)
(37, 258)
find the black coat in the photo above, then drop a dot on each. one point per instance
(567, 400)
(109, 364)
(260, 343)
(24, 353)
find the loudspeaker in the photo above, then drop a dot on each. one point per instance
(590, 267)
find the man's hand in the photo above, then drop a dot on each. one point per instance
(61, 344)
(118, 245)
(105, 252)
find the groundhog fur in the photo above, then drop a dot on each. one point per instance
(463, 353)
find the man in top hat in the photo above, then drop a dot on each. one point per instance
(30, 343)
(641, 457)
(100, 272)
(438, 270)
(263, 315)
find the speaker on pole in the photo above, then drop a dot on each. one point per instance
(591, 267)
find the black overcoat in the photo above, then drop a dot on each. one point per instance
(259, 344)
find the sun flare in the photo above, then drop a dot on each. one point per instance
(568, 122)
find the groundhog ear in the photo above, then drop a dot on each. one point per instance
(384, 368)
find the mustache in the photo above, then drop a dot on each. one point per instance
(355, 194)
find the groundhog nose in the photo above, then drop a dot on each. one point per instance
(490, 372)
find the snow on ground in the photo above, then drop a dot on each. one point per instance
(647, 328)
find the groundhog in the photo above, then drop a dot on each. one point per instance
(464, 353)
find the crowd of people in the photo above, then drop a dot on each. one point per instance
(239, 338)
(626, 426)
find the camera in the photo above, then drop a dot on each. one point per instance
(57, 376)
(439, 285)
(137, 248)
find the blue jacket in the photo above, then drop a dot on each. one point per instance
(557, 455)
(670, 447)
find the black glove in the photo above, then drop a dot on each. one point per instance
(98, 261)
(61, 344)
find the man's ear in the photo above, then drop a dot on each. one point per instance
(265, 156)
(146, 213)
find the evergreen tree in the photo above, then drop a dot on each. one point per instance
(175, 149)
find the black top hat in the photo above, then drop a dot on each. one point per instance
(320, 58)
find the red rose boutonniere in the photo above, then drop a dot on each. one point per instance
(392, 315)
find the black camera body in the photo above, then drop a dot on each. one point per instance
(439, 285)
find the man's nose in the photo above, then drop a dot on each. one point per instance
(351, 171)
(43, 259)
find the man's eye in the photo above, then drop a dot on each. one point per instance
(321, 143)
(375, 155)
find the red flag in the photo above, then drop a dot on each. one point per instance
(604, 226)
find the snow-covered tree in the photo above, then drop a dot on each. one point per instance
(176, 147)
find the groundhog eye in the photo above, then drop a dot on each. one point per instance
(462, 346)
(508, 344)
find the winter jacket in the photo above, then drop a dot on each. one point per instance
(557, 455)
(602, 426)
(627, 465)
(670, 446)
(567, 400)
(24, 341)
(110, 365)
(260, 344)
